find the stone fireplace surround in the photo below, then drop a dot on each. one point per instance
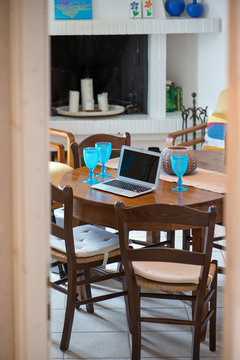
(105, 22)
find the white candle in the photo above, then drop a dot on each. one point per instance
(73, 101)
(103, 101)
(90, 104)
(86, 91)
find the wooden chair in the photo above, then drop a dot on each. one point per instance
(60, 147)
(83, 248)
(172, 272)
(117, 142)
(218, 118)
(62, 165)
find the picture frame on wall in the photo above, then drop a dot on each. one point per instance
(147, 8)
(73, 9)
(135, 9)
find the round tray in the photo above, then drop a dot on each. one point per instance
(113, 110)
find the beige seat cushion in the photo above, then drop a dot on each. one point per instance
(88, 240)
(168, 272)
(57, 170)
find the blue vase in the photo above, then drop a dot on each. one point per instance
(175, 7)
(194, 9)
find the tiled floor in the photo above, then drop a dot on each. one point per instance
(104, 334)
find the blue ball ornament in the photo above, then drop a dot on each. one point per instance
(194, 9)
(175, 7)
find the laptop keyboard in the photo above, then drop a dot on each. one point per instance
(127, 186)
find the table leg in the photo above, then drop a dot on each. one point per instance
(198, 239)
(153, 236)
(198, 242)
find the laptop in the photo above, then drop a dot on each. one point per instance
(137, 174)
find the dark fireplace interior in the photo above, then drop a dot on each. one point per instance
(117, 64)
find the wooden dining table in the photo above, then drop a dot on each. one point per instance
(105, 216)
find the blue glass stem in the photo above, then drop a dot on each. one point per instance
(103, 168)
(180, 183)
(91, 174)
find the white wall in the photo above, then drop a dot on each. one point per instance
(113, 9)
(182, 60)
(199, 62)
(213, 57)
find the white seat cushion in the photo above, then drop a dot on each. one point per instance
(168, 272)
(88, 240)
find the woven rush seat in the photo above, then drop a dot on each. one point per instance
(61, 256)
(148, 283)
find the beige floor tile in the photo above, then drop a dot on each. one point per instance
(94, 345)
(57, 300)
(56, 353)
(174, 344)
(107, 319)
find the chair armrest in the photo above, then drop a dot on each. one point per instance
(70, 139)
(60, 151)
(173, 136)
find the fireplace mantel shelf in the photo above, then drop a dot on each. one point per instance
(133, 123)
(141, 26)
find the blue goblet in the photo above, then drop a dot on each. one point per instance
(91, 155)
(179, 165)
(105, 149)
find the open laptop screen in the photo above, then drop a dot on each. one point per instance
(139, 166)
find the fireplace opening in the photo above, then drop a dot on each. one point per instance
(118, 65)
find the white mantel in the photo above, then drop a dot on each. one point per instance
(110, 17)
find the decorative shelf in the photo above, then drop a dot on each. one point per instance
(141, 26)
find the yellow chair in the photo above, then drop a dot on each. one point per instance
(59, 167)
(214, 138)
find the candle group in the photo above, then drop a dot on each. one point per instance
(87, 98)
(103, 101)
(73, 101)
(86, 92)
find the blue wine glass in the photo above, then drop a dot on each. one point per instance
(105, 149)
(179, 165)
(91, 156)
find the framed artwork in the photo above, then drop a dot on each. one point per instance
(73, 9)
(135, 9)
(147, 9)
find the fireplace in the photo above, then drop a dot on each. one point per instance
(111, 19)
(117, 64)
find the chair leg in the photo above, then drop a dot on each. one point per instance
(213, 305)
(136, 342)
(171, 238)
(127, 306)
(69, 313)
(186, 240)
(86, 292)
(197, 314)
(196, 340)
(134, 301)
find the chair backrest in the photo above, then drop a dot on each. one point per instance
(150, 218)
(65, 197)
(222, 102)
(117, 142)
(60, 147)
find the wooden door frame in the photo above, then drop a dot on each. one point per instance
(24, 100)
(232, 210)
